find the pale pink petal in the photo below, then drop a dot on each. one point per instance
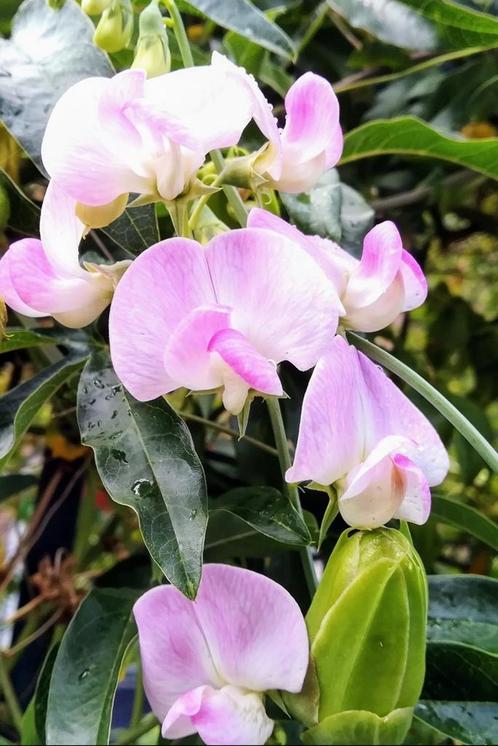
(332, 428)
(416, 505)
(221, 717)
(77, 152)
(250, 624)
(187, 356)
(61, 231)
(381, 312)
(269, 284)
(379, 265)
(414, 281)
(374, 490)
(394, 414)
(161, 287)
(259, 373)
(7, 290)
(175, 656)
(74, 301)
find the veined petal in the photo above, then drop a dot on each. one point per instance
(250, 623)
(7, 289)
(221, 717)
(187, 356)
(394, 414)
(259, 373)
(74, 301)
(414, 281)
(161, 287)
(175, 656)
(416, 505)
(331, 432)
(374, 490)
(268, 284)
(381, 312)
(379, 265)
(61, 231)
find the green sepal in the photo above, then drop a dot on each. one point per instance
(361, 727)
(304, 706)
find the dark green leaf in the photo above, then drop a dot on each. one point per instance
(146, 459)
(244, 18)
(29, 733)
(19, 406)
(13, 484)
(49, 51)
(135, 230)
(86, 669)
(466, 722)
(24, 214)
(459, 672)
(332, 210)
(268, 511)
(229, 537)
(464, 608)
(457, 26)
(465, 518)
(20, 338)
(413, 137)
(42, 690)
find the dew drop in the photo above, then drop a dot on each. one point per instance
(84, 674)
(119, 455)
(98, 383)
(192, 514)
(141, 487)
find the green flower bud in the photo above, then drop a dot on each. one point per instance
(152, 51)
(367, 627)
(115, 27)
(94, 7)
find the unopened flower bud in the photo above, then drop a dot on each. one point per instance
(94, 7)
(367, 625)
(115, 28)
(152, 51)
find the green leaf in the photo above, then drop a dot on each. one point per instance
(466, 518)
(146, 459)
(19, 406)
(86, 669)
(49, 51)
(18, 338)
(135, 230)
(29, 733)
(466, 722)
(42, 691)
(24, 215)
(459, 672)
(266, 510)
(245, 19)
(457, 26)
(464, 608)
(332, 210)
(444, 407)
(412, 137)
(13, 484)
(228, 536)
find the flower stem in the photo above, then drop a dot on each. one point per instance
(231, 193)
(10, 695)
(133, 734)
(284, 457)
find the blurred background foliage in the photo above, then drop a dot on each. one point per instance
(418, 87)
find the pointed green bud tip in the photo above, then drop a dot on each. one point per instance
(367, 627)
(94, 7)
(56, 4)
(152, 51)
(115, 28)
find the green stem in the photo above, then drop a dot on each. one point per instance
(284, 457)
(133, 734)
(138, 700)
(228, 431)
(433, 396)
(232, 195)
(201, 204)
(10, 695)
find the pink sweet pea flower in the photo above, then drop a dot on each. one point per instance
(108, 137)
(374, 291)
(359, 433)
(44, 278)
(207, 663)
(220, 315)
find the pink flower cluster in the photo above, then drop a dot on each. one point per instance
(223, 316)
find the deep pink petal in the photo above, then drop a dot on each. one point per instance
(7, 289)
(259, 373)
(414, 281)
(250, 624)
(416, 505)
(173, 649)
(332, 428)
(269, 284)
(187, 357)
(394, 414)
(379, 265)
(161, 287)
